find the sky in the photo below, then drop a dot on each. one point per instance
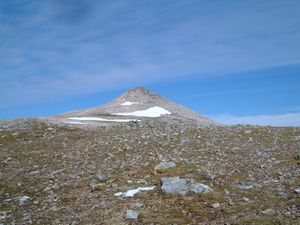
(237, 62)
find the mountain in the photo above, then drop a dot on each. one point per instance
(137, 104)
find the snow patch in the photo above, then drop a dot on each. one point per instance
(131, 193)
(75, 122)
(129, 103)
(154, 111)
(101, 119)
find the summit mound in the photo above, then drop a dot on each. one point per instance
(137, 104)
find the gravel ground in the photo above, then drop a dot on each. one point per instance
(58, 174)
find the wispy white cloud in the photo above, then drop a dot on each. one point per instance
(289, 119)
(92, 46)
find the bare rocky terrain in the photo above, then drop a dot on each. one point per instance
(151, 171)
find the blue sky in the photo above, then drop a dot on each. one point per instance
(234, 61)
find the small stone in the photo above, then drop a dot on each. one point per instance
(2, 176)
(282, 194)
(51, 187)
(84, 220)
(279, 173)
(132, 214)
(34, 173)
(137, 205)
(56, 172)
(95, 185)
(102, 177)
(23, 199)
(244, 187)
(230, 202)
(200, 188)
(164, 165)
(268, 212)
(226, 192)
(216, 205)
(3, 215)
(208, 175)
(246, 199)
(27, 218)
(297, 190)
(94, 207)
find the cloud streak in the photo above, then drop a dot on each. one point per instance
(289, 119)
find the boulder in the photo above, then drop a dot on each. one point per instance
(176, 185)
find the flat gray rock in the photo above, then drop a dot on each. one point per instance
(176, 185)
(164, 165)
(95, 185)
(208, 175)
(200, 188)
(244, 186)
(132, 214)
(102, 177)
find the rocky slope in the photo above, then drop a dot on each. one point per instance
(150, 172)
(136, 104)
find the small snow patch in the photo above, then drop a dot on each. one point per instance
(129, 103)
(101, 119)
(131, 193)
(154, 111)
(75, 122)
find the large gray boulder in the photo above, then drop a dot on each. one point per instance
(176, 185)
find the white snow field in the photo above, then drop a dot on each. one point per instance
(129, 103)
(101, 119)
(154, 111)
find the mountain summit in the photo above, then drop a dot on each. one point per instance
(138, 104)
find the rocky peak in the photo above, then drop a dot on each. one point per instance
(139, 93)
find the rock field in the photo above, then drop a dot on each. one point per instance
(176, 174)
